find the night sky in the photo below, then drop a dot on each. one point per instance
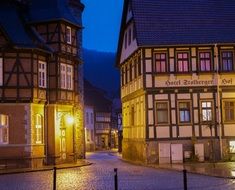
(101, 19)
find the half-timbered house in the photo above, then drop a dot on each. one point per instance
(40, 82)
(176, 60)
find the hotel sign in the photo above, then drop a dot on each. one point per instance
(194, 82)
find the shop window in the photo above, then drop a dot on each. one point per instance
(38, 126)
(232, 146)
(4, 129)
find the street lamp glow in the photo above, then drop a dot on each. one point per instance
(69, 119)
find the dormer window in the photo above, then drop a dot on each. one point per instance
(68, 35)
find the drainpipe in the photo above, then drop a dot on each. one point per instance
(218, 98)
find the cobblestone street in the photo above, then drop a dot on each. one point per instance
(100, 176)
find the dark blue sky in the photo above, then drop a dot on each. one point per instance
(101, 19)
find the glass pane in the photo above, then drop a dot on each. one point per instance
(182, 116)
(180, 56)
(163, 56)
(185, 55)
(204, 104)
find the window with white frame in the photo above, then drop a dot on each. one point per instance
(1, 72)
(68, 35)
(66, 76)
(4, 129)
(69, 77)
(42, 72)
(206, 111)
(38, 127)
(205, 61)
(184, 112)
(183, 61)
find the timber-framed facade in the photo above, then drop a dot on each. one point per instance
(40, 83)
(177, 88)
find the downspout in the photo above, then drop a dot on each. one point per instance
(218, 98)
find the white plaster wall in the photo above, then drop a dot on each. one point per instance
(163, 132)
(151, 132)
(148, 65)
(150, 101)
(174, 131)
(206, 95)
(161, 97)
(229, 130)
(149, 82)
(185, 131)
(183, 96)
(196, 128)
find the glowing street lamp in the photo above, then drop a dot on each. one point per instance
(69, 119)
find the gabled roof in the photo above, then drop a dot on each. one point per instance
(181, 22)
(161, 22)
(95, 97)
(10, 21)
(50, 10)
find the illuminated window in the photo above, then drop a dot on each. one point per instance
(1, 72)
(232, 146)
(66, 76)
(229, 111)
(161, 62)
(184, 112)
(69, 77)
(68, 35)
(42, 74)
(227, 60)
(4, 129)
(162, 112)
(206, 109)
(205, 61)
(183, 62)
(38, 126)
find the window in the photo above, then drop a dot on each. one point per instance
(162, 113)
(183, 62)
(229, 111)
(205, 61)
(232, 146)
(160, 62)
(139, 65)
(42, 74)
(206, 111)
(4, 129)
(38, 126)
(1, 72)
(135, 67)
(68, 35)
(227, 60)
(66, 76)
(184, 112)
(130, 71)
(69, 77)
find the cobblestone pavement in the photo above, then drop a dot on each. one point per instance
(100, 176)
